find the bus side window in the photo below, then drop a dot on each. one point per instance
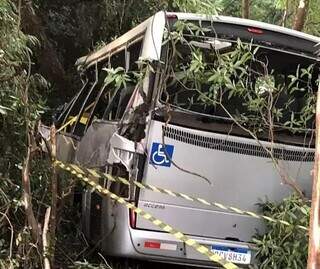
(125, 96)
(68, 117)
(97, 101)
(113, 102)
(95, 94)
(134, 52)
(118, 103)
(104, 93)
(84, 111)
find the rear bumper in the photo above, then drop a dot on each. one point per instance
(125, 241)
(179, 252)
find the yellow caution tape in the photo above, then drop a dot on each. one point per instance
(98, 174)
(163, 226)
(71, 121)
(84, 119)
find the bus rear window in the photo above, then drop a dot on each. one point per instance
(229, 80)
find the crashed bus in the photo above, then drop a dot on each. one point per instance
(154, 130)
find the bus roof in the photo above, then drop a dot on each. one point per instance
(249, 23)
(153, 28)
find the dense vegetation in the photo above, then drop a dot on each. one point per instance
(40, 41)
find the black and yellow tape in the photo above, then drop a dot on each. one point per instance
(75, 170)
(98, 174)
(72, 119)
(69, 122)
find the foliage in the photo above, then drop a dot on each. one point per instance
(280, 12)
(284, 246)
(117, 76)
(313, 19)
(74, 26)
(21, 105)
(117, 17)
(15, 66)
(240, 75)
(198, 6)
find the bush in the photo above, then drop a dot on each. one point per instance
(284, 246)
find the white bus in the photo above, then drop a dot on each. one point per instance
(193, 149)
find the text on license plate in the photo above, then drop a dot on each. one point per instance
(233, 254)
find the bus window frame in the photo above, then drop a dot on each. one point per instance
(85, 100)
(65, 114)
(118, 91)
(73, 102)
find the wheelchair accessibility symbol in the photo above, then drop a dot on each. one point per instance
(161, 154)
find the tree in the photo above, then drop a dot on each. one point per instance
(314, 236)
(245, 9)
(47, 58)
(21, 105)
(301, 15)
(312, 22)
(198, 6)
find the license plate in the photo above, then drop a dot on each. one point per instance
(233, 254)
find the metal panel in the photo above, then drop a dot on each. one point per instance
(66, 147)
(93, 149)
(240, 178)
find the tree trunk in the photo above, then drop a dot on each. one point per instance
(285, 14)
(54, 190)
(314, 231)
(245, 9)
(301, 15)
(46, 240)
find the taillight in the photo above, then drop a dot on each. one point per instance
(132, 218)
(256, 31)
(160, 245)
(151, 244)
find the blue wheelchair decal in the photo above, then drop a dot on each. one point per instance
(161, 154)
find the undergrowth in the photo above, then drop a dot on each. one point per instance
(284, 246)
